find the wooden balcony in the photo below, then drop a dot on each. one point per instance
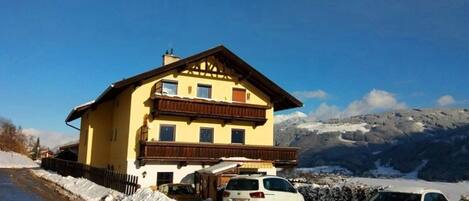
(199, 108)
(211, 153)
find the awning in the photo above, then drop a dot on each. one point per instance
(256, 165)
(220, 167)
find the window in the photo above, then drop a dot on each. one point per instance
(204, 91)
(237, 136)
(275, 184)
(243, 185)
(164, 178)
(167, 132)
(434, 197)
(170, 87)
(206, 135)
(239, 95)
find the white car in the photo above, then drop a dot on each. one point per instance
(260, 187)
(409, 194)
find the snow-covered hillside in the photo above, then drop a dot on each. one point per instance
(319, 127)
(325, 170)
(402, 140)
(284, 117)
(15, 160)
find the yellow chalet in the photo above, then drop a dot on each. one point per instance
(190, 114)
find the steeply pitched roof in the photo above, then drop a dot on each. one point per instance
(280, 98)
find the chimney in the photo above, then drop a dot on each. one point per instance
(170, 57)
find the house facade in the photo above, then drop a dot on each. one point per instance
(164, 124)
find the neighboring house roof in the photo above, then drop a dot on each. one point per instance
(73, 144)
(281, 99)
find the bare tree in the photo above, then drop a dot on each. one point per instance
(12, 137)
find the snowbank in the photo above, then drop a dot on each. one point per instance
(91, 191)
(147, 194)
(83, 188)
(15, 160)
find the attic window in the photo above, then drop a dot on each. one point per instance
(204, 91)
(170, 87)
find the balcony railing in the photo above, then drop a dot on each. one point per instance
(211, 153)
(199, 108)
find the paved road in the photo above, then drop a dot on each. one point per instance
(22, 185)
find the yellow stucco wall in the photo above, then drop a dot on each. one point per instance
(100, 132)
(189, 132)
(83, 145)
(104, 133)
(120, 140)
(113, 127)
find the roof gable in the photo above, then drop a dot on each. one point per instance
(279, 97)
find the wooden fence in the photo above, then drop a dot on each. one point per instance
(124, 183)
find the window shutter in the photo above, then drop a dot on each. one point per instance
(239, 95)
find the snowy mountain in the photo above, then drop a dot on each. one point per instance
(289, 117)
(431, 144)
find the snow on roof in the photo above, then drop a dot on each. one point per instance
(220, 167)
(238, 159)
(73, 142)
(83, 105)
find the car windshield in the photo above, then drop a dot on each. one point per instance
(393, 196)
(180, 190)
(243, 184)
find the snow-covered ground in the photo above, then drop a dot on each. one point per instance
(452, 190)
(326, 170)
(79, 186)
(147, 194)
(15, 160)
(320, 127)
(389, 171)
(91, 191)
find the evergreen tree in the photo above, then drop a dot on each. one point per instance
(36, 150)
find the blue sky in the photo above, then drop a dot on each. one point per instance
(57, 54)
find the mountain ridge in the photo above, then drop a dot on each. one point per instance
(438, 136)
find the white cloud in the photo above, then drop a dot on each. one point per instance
(374, 101)
(50, 139)
(325, 112)
(315, 94)
(445, 100)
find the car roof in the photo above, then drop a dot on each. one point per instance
(415, 190)
(255, 176)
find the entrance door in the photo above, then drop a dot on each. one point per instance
(164, 178)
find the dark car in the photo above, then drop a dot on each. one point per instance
(180, 192)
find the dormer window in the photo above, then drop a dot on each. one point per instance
(169, 88)
(204, 91)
